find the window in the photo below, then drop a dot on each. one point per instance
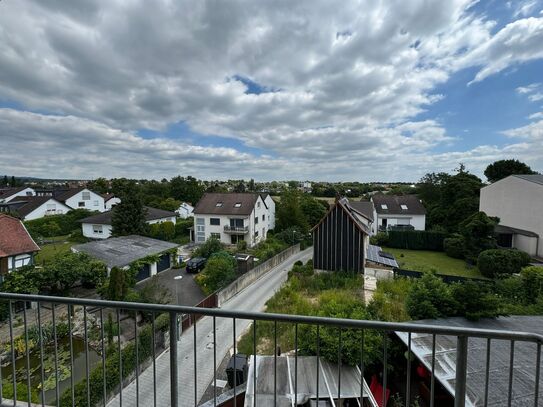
(85, 196)
(216, 236)
(237, 205)
(28, 193)
(256, 220)
(403, 206)
(97, 229)
(258, 205)
(95, 203)
(256, 233)
(218, 204)
(200, 221)
(81, 204)
(263, 217)
(215, 221)
(384, 206)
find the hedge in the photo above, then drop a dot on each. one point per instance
(496, 263)
(416, 239)
(57, 225)
(128, 356)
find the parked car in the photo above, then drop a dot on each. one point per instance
(196, 264)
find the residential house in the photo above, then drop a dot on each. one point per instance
(17, 248)
(517, 201)
(123, 251)
(8, 194)
(33, 207)
(305, 186)
(99, 226)
(110, 201)
(232, 217)
(185, 210)
(82, 198)
(270, 204)
(397, 211)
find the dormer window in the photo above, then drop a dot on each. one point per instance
(404, 207)
(218, 204)
(237, 205)
(384, 206)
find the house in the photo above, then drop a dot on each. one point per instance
(8, 194)
(17, 248)
(522, 379)
(123, 251)
(82, 198)
(99, 226)
(341, 241)
(233, 217)
(397, 211)
(110, 201)
(517, 201)
(270, 204)
(185, 210)
(34, 207)
(305, 186)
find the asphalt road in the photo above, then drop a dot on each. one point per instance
(192, 386)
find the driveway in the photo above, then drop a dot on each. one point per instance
(186, 289)
(191, 386)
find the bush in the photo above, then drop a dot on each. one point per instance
(532, 281)
(416, 239)
(162, 231)
(499, 263)
(475, 300)
(241, 245)
(182, 227)
(454, 246)
(56, 225)
(430, 298)
(210, 246)
(220, 270)
(380, 239)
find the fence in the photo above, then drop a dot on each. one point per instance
(209, 302)
(446, 278)
(254, 274)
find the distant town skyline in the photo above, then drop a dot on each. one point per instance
(316, 90)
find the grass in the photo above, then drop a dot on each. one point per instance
(424, 260)
(49, 251)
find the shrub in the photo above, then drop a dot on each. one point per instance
(430, 298)
(475, 300)
(532, 281)
(211, 245)
(499, 263)
(55, 225)
(454, 246)
(220, 270)
(380, 239)
(416, 239)
(242, 245)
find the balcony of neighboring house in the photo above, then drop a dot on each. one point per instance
(236, 227)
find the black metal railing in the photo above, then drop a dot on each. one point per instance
(236, 229)
(106, 381)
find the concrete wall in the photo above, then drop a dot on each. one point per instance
(251, 276)
(88, 231)
(95, 203)
(378, 273)
(51, 207)
(527, 244)
(518, 203)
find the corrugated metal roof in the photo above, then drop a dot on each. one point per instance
(375, 254)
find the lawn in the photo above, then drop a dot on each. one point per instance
(424, 260)
(48, 251)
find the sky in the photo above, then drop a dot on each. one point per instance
(319, 90)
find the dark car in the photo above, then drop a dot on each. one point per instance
(196, 264)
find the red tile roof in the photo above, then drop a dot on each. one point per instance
(14, 238)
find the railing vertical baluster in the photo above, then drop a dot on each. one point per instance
(136, 339)
(173, 359)
(318, 360)
(57, 383)
(153, 351)
(104, 388)
(461, 371)
(119, 349)
(72, 384)
(339, 368)
(87, 365)
(10, 311)
(235, 372)
(27, 353)
(195, 365)
(487, 370)
(385, 367)
(432, 378)
(274, 363)
(254, 362)
(511, 368)
(296, 364)
(537, 374)
(408, 384)
(362, 369)
(214, 361)
(42, 370)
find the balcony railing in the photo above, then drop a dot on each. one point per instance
(131, 360)
(236, 229)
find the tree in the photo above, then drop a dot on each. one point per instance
(211, 245)
(220, 270)
(99, 185)
(503, 168)
(313, 209)
(289, 212)
(5, 182)
(251, 186)
(186, 189)
(118, 286)
(430, 298)
(478, 234)
(67, 269)
(499, 263)
(240, 187)
(169, 204)
(475, 300)
(13, 182)
(128, 217)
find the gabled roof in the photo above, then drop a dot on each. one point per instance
(104, 218)
(354, 215)
(535, 178)
(69, 193)
(25, 205)
(7, 192)
(226, 204)
(14, 238)
(107, 197)
(392, 205)
(363, 207)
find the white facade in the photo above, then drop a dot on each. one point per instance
(519, 204)
(21, 260)
(185, 210)
(100, 231)
(48, 208)
(270, 203)
(385, 220)
(25, 192)
(111, 202)
(86, 199)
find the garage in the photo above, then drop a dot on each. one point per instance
(163, 263)
(144, 272)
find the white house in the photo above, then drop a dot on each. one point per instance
(34, 207)
(397, 211)
(231, 217)
(100, 226)
(270, 203)
(185, 210)
(82, 198)
(17, 248)
(518, 201)
(110, 201)
(8, 194)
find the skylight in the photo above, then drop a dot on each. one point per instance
(384, 206)
(237, 205)
(218, 204)
(404, 207)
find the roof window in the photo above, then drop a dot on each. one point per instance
(237, 205)
(384, 206)
(403, 206)
(218, 204)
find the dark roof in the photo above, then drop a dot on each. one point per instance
(104, 218)
(107, 197)
(122, 251)
(25, 205)
(207, 205)
(514, 231)
(14, 238)
(7, 192)
(536, 178)
(354, 215)
(394, 202)
(69, 193)
(363, 207)
(524, 364)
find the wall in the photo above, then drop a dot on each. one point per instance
(527, 244)
(224, 220)
(517, 202)
(162, 220)
(40, 212)
(95, 203)
(24, 192)
(271, 212)
(251, 276)
(111, 203)
(378, 273)
(417, 221)
(89, 232)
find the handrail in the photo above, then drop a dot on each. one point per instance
(302, 319)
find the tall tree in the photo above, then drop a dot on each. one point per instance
(13, 182)
(289, 211)
(99, 185)
(503, 168)
(5, 181)
(186, 189)
(129, 216)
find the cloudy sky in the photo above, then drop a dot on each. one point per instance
(320, 90)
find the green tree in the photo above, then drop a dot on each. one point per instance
(478, 233)
(475, 300)
(210, 246)
(169, 204)
(220, 270)
(313, 209)
(5, 182)
(500, 263)
(128, 217)
(430, 298)
(289, 212)
(251, 185)
(99, 185)
(503, 168)
(118, 285)
(186, 189)
(67, 269)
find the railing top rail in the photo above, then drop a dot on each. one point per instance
(301, 319)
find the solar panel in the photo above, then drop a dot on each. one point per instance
(374, 254)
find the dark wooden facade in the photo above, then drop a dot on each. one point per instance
(338, 241)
